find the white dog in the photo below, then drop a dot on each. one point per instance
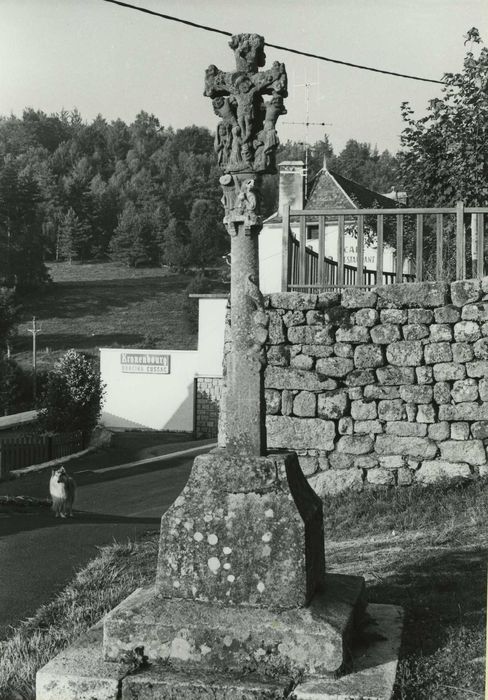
(62, 490)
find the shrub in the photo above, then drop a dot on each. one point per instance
(73, 397)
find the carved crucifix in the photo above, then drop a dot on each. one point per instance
(245, 143)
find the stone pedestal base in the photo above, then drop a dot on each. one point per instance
(311, 640)
(79, 673)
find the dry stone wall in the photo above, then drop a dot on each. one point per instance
(380, 387)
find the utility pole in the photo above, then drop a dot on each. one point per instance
(34, 330)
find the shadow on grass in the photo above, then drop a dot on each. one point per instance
(444, 595)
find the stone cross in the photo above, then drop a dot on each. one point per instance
(245, 143)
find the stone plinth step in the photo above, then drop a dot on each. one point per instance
(162, 683)
(374, 662)
(312, 640)
(80, 673)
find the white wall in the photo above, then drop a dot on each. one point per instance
(211, 324)
(270, 247)
(157, 401)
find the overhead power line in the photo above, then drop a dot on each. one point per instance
(206, 28)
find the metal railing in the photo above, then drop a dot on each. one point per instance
(436, 240)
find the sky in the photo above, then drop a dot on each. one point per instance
(104, 59)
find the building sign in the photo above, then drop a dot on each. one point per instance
(144, 363)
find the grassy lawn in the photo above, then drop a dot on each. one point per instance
(105, 305)
(424, 549)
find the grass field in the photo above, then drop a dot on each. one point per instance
(428, 554)
(105, 305)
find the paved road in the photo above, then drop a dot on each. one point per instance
(39, 554)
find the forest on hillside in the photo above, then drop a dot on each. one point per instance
(139, 193)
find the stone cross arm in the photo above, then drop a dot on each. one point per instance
(267, 82)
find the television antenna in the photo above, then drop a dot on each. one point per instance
(307, 123)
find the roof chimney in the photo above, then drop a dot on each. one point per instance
(291, 184)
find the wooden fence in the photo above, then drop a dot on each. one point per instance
(21, 451)
(427, 233)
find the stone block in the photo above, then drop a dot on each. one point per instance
(299, 433)
(425, 413)
(273, 401)
(327, 299)
(411, 410)
(460, 431)
(368, 356)
(475, 312)
(416, 294)
(354, 334)
(278, 355)
(308, 465)
(359, 377)
(470, 451)
(297, 318)
(405, 353)
(293, 301)
(442, 393)
(481, 349)
(462, 352)
(335, 481)
(276, 330)
(314, 318)
(406, 429)
(479, 429)
(447, 314)
(484, 329)
(391, 410)
(341, 460)
(449, 372)
(437, 352)
(465, 291)
(355, 393)
(353, 298)
(438, 431)
(440, 332)
(477, 368)
(311, 335)
(366, 317)
(380, 477)
(416, 447)
(365, 461)
(368, 427)
(483, 389)
(466, 331)
(339, 316)
(332, 406)
(391, 375)
(343, 350)
(186, 634)
(424, 374)
(394, 316)
(334, 366)
(412, 393)
(424, 316)
(355, 444)
(288, 378)
(376, 391)
(317, 350)
(464, 390)
(385, 333)
(469, 411)
(286, 402)
(404, 476)
(305, 404)
(301, 361)
(323, 463)
(415, 331)
(391, 462)
(345, 425)
(431, 472)
(363, 410)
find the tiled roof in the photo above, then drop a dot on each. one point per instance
(333, 191)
